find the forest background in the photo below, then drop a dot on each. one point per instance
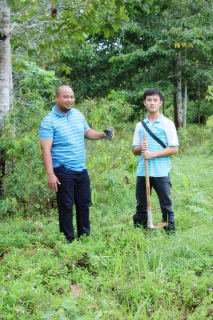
(109, 52)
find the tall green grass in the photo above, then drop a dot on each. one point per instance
(125, 273)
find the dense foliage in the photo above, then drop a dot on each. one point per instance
(100, 46)
(140, 275)
(124, 273)
(144, 54)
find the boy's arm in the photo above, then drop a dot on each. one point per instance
(169, 151)
(137, 150)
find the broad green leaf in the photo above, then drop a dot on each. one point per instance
(48, 314)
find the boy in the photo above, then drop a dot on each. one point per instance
(159, 161)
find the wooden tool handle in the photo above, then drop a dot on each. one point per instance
(148, 195)
(146, 168)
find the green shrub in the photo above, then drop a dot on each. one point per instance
(194, 138)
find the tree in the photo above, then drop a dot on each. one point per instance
(166, 45)
(41, 27)
(5, 59)
(5, 75)
(38, 28)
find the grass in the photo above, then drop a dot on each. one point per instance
(124, 273)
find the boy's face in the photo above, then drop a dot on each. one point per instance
(153, 103)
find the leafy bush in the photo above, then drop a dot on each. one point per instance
(103, 113)
(124, 273)
(24, 185)
(110, 163)
(194, 138)
(25, 189)
(193, 113)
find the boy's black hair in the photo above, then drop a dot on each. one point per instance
(151, 92)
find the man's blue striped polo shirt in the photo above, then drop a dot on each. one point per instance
(67, 133)
(165, 130)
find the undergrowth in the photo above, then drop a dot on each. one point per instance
(123, 273)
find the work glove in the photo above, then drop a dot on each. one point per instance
(109, 133)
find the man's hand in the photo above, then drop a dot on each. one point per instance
(53, 182)
(109, 133)
(113, 132)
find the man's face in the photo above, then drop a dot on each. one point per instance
(153, 103)
(64, 99)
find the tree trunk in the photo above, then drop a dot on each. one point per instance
(175, 109)
(5, 60)
(179, 97)
(198, 107)
(5, 76)
(185, 104)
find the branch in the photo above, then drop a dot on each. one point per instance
(26, 23)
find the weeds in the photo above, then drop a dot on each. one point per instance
(124, 273)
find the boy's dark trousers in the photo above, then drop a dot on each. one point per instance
(162, 186)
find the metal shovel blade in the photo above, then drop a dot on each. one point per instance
(157, 225)
(160, 225)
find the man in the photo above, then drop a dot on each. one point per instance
(159, 161)
(62, 133)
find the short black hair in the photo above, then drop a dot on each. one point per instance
(151, 92)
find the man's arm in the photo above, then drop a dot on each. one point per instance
(91, 134)
(52, 180)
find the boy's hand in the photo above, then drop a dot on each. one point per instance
(144, 145)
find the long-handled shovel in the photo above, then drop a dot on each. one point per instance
(150, 224)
